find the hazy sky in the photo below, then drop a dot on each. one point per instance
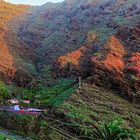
(32, 2)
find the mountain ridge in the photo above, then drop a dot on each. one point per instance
(77, 38)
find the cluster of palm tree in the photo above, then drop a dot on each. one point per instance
(114, 131)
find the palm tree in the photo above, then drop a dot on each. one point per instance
(113, 131)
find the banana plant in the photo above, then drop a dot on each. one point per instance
(114, 131)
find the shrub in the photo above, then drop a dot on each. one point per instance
(26, 125)
(114, 131)
(3, 91)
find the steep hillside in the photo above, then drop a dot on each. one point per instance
(87, 38)
(120, 61)
(71, 39)
(64, 26)
(89, 106)
(15, 58)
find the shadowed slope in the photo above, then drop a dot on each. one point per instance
(14, 56)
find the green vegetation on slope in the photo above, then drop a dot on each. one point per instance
(4, 92)
(41, 96)
(113, 131)
(102, 32)
(25, 125)
(74, 115)
(49, 96)
(93, 106)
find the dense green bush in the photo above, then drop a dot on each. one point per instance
(113, 131)
(4, 90)
(26, 125)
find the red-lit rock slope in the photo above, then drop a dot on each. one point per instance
(14, 55)
(114, 66)
(117, 66)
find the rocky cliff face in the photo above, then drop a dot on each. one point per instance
(117, 67)
(91, 38)
(15, 57)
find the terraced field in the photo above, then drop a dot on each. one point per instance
(93, 105)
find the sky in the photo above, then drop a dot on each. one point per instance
(32, 2)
